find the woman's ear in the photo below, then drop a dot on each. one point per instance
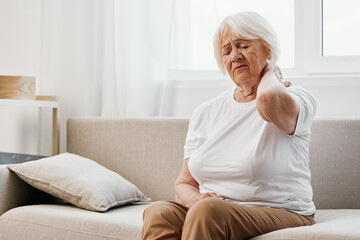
(268, 54)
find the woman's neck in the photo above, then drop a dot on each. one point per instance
(245, 92)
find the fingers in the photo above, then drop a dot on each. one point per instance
(279, 76)
(203, 196)
(287, 84)
(214, 195)
(278, 73)
(189, 205)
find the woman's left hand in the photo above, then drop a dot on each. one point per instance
(276, 70)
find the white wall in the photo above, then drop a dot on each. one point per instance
(336, 96)
(47, 40)
(20, 53)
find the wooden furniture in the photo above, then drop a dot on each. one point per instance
(49, 102)
(17, 87)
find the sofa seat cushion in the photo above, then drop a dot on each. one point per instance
(57, 222)
(329, 224)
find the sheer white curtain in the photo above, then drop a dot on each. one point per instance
(142, 36)
(135, 56)
(104, 58)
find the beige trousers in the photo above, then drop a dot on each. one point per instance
(215, 219)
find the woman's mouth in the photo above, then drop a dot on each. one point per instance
(240, 67)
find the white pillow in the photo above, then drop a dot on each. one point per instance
(80, 181)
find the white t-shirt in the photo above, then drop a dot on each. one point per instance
(238, 155)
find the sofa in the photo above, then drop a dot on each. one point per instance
(149, 152)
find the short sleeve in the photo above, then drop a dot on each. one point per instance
(192, 140)
(307, 109)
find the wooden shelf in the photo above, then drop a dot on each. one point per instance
(41, 104)
(28, 103)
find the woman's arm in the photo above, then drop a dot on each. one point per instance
(275, 104)
(187, 188)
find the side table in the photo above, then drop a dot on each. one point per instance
(41, 104)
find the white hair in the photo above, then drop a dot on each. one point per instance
(250, 26)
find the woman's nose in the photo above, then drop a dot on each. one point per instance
(236, 55)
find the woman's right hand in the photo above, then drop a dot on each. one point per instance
(201, 196)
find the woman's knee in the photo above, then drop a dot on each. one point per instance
(208, 209)
(154, 208)
(158, 211)
(205, 221)
(163, 220)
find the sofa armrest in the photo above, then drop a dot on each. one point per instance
(14, 192)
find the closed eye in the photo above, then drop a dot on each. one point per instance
(242, 46)
(227, 51)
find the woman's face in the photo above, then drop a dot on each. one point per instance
(244, 60)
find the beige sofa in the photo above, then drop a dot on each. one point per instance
(148, 152)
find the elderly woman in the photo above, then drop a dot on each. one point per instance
(246, 168)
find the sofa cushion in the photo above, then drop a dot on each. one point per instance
(67, 222)
(14, 192)
(80, 181)
(329, 224)
(58, 222)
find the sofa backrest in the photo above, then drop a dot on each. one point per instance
(335, 163)
(149, 153)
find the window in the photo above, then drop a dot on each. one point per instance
(340, 24)
(316, 36)
(195, 23)
(315, 24)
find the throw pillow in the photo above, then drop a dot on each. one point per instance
(80, 181)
